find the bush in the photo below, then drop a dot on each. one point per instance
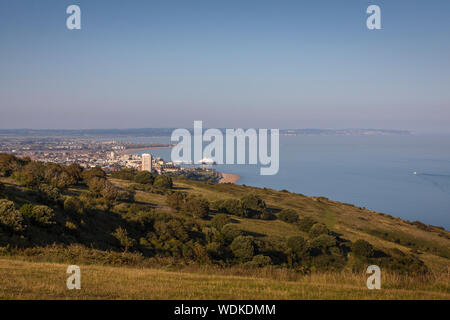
(96, 185)
(253, 204)
(362, 248)
(93, 173)
(298, 245)
(49, 194)
(125, 174)
(230, 232)
(43, 215)
(220, 220)
(305, 223)
(260, 261)
(175, 201)
(288, 215)
(163, 182)
(317, 230)
(323, 242)
(144, 177)
(243, 248)
(126, 242)
(73, 205)
(9, 216)
(232, 206)
(198, 207)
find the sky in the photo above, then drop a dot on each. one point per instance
(246, 63)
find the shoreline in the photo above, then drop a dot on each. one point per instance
(133, 150)
(229, 178)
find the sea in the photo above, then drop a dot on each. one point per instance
(404, 176)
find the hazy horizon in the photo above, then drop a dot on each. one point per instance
(260, 64)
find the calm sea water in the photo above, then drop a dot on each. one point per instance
(375, 172)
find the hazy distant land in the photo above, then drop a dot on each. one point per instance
(166, 132)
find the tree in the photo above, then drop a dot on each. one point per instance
(305, 223)
(125, 174)
(317, 230)
(31, 175)
(288, 215)
(75, 172)
(96, 185)
(93, 173)
(10, 164)
(126, 242)
(362, 248)
(144, 177)
(10, 217)
(198, 207)
(243, 248)
(109, 191)
(220, 220)
(163, 182)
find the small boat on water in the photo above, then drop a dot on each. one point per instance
(415, 173)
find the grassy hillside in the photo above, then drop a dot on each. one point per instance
(258, 243)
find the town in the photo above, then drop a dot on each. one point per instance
(110, 155)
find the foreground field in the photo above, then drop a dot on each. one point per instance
(35, 280)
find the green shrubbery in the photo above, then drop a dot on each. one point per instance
(288, 215)
(10, 217)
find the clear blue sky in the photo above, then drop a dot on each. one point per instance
(250, 63)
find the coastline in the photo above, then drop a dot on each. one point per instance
(229, 178)
(133, 150)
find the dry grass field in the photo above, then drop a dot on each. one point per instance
(35, 280)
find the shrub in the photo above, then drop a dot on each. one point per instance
(42, 215)
(175, 201)
(163, 182)
(243, 248)
(288, 215)
(260, 261)
(220, 220)
(230, 232)
(125, 174)
(144, 177)
(26, 210)
(232, 206)
(49, 194)
(73, 205)
(93, 173)
(253, 204)
(298, 245)
(317, 230)
(323, 242)
(96, 184)
(305, 223)
(109, 191)
(70, 225)
(9, 216)
(126, 242)
(362, 248)
(198, 207)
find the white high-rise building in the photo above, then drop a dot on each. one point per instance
(147, 162)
